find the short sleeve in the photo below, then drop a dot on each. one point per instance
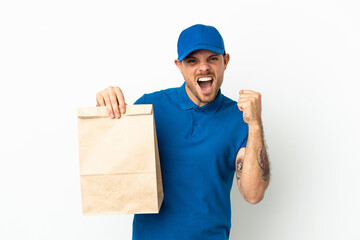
(141, 100)
(244, 143)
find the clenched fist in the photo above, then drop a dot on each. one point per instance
(250, 104)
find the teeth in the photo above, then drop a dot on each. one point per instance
(204, 79)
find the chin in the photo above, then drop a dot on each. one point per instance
(207, 98)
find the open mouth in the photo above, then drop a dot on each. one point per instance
(205, 83)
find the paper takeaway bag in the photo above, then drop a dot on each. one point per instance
(119, 161)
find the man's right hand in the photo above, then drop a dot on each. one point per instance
(113, 99)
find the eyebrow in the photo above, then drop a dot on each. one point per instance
(214, 55)
(189, 56)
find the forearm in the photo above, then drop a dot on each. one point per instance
(255, 174)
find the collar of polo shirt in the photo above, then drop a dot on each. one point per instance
(187, 104)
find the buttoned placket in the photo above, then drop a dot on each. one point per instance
(195, 113)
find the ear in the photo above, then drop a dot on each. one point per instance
(226, 59)
(178, 64)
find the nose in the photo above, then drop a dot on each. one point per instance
(204, 66)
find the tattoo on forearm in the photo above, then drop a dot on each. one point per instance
(239, 166)
(264, 164)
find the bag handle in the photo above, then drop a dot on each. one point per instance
(131, 110)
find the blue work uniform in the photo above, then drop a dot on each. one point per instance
(197, 147)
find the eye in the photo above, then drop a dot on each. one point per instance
(213, 58)
(191, 61)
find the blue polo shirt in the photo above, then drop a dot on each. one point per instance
(197, 147)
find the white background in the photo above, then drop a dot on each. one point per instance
(303, 56)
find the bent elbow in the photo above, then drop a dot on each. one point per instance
(254, 200)
(252, 194)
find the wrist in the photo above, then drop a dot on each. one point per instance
(256, 125)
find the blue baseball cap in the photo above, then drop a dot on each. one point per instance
(199, 37)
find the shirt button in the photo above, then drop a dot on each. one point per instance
(195, 123)
(197, 110)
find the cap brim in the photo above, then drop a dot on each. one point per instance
(201, 46)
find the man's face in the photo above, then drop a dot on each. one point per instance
(203, 72)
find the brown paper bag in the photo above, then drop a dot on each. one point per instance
(119, 161)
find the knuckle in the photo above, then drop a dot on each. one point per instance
(102, 94)
(111, 93)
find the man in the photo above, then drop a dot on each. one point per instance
(204, 137)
